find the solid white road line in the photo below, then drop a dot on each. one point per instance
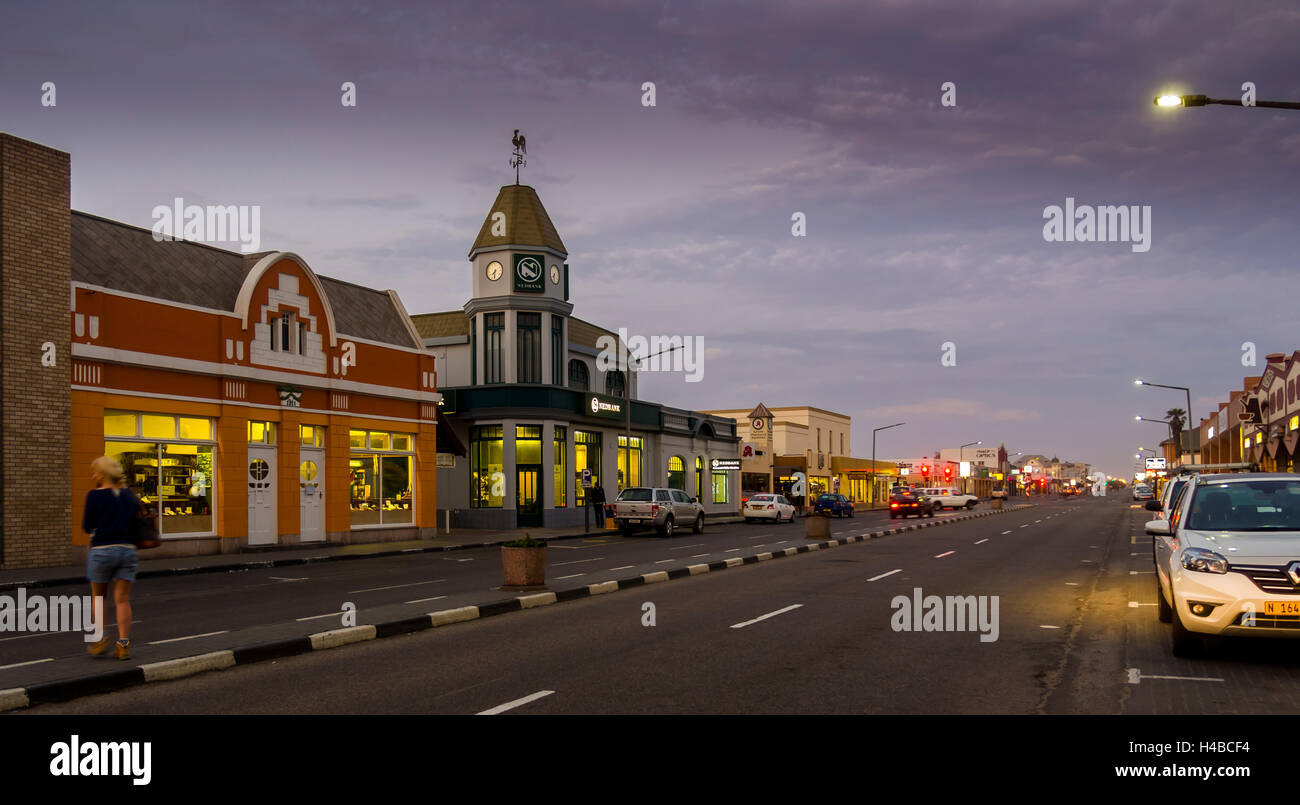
(501, 708)
(577, 561)
(620, 567)
(684, 547)
(572, 576)
(422, 600)
(29, 662)
(395, 586)
(743, 624)
(942, 555)
(980, 542)
(1135, 676)
(882, 575)
(326, 615)
(187, 637)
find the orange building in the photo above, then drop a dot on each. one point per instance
(252, 401)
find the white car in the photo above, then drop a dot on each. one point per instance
(950, 498)
(768, 507)
(1227, 559)
(1143, 492)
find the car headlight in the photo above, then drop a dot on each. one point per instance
(1203, 561)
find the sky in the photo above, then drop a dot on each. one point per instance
(924, 221)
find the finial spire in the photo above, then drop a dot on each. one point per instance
(521, 148)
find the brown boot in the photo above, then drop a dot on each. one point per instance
(121, 650)
(98, 647)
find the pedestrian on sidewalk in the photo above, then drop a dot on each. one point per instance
(111, 519)
(597, 498)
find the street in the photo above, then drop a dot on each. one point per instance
(1077, 634)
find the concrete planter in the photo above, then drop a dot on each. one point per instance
(817, 526)
(524, 567)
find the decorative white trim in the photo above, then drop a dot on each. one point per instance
(79, 325)
(244, 301)
(210, 401)
(406, 318)
(143, 298)
(339, 401)
(112, 355)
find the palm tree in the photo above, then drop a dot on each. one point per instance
(1175, 417)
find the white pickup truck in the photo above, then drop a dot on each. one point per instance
(949, 498)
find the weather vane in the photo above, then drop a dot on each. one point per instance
(517, 159)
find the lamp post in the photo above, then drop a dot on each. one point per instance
(1188, 421)
(1166, 101)
(627, 400)
(873, 458)
(961, 457)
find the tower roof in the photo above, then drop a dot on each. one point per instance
(526, 223)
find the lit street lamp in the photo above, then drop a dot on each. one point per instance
(1201, 100)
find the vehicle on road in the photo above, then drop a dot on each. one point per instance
(1143, 492)
(763, 506)
(908, 502)
(834, 505)
(660, 508)
(946, 497)
(999, 492)
(1227, 559)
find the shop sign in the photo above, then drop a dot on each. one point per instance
(747, 450)
(725, 464)
(446, 459)
(530, 277)
(600, 405)
(1155, 463)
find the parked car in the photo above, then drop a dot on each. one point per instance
(950, 498)
(909, 502)
(835, 505)
(658, 507)
(999, 492)
(763, 506)
(1167, 498)
(1226, 559)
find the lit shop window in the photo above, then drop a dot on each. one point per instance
(486, 467)
(676, 473)
(624, 479)
(720, 487)
(311, 435)
(561, 481)
(380, 485)
(586, 455)
(261, 432)
(168, 462)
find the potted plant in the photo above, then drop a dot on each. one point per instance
(524, 562)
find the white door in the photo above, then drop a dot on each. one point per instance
(311, 483)
(261, 496)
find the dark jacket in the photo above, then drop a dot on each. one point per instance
(110, 517)
(597, 494)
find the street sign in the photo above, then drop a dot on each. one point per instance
(586, 479)
(1155, 463)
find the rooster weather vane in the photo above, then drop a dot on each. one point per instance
(521, 148)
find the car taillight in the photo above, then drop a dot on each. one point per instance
(893, 505)
(654, 508)
(771, 505)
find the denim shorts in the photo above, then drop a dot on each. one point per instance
(114, 562)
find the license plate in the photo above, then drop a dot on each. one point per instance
(1282, 607)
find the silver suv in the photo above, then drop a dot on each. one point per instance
(664, 509)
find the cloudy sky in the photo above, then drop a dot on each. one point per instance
(924, 222)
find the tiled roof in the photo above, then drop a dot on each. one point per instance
(439, 325)
(127, 258)
(585, 333)
(526, 224)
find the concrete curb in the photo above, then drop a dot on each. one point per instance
(64, 690)
(260, 564)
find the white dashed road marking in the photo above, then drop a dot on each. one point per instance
(501, 708)
(882, 575)
(743, 624)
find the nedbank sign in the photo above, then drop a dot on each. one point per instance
(600, 405)
(529, 274)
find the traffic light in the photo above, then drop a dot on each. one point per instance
(925, 471)
(947, 474)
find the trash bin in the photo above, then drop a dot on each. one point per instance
(997, 503)
(817, 526)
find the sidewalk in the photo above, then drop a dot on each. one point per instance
(460, 539)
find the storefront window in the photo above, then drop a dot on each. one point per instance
(311, 435)
(624, 480)
(261, 432)
(676, 473)
(561, 480)
(586, 455)
(720, 487)
(380, 482)
(175, 477)
(486, 467)
(817, 485)
(528, 444)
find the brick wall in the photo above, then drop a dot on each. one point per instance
(35, 401)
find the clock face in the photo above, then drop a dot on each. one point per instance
(494, 271)
(555, 275)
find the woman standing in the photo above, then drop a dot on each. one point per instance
(111, 520)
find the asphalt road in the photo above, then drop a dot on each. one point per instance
(182, 616)
(813, 633)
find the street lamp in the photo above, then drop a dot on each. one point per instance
(1187, 421)
(1201, 100)
(873, 459)
(627, 395)
(961, 457)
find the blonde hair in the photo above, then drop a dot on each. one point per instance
(108, 467)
